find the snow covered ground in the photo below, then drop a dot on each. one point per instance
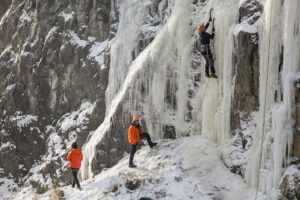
(185, 168)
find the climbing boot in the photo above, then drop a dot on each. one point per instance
(207, 75)
(153, 145)
(131, 165)
(213, 75)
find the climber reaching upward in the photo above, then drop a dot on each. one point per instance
(205, 49)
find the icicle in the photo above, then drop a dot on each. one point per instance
(277, 132)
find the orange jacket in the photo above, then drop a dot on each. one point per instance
(75, 157)
(134, 135)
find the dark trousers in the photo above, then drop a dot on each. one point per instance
(148, 138)
(133, 147)
(209, 61)
(75, 179)
(133, 150)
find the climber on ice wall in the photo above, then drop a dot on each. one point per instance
(205, 48)
(135, 134)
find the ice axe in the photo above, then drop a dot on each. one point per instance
(210, 13)
(210, 18)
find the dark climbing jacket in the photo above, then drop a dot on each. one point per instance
(206, 37)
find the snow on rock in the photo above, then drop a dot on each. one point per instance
(97, 52)
(23, 120)
(235, 155)
(7, 145)
(76, 118)
(7, 188)
(8, 51)
(75, 40)
(246, 27)
(292, 173)
(66, 16)
(58, 144)
(24, 17)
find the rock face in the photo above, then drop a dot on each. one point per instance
(290, 183)
(296, 142)
(246, 67)
(245, 99)
(53, 58)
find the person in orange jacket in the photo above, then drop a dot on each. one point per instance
(75, 157)
(135, 134)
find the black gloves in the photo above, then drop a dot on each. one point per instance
(137, 144)
(210, 19)
(213, 29)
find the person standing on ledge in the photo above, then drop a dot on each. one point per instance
(75, 157)
(135, 134)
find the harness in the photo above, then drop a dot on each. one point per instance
(204, 48)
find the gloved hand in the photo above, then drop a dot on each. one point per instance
(210, 19)
(137, 144)
(213, 29)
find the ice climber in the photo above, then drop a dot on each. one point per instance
(135, 134)
(75, 157)
(205, 49)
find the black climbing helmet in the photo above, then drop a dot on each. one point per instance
(74, 145)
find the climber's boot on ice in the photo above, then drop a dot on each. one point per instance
(207, 75)
(153, 144)
(213, 75)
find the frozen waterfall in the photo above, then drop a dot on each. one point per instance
(167, 59)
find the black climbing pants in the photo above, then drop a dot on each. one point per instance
(75, 179)
(133, 147)
(148, 138)
(133, 150)
(209, 61)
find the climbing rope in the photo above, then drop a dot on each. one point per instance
(213, 24)
(199, 106)
(265, 103)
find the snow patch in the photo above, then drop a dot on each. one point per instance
(97, 52)
(24, 120)
(75, 40)
(292, 173)
(7, 145)
(24, 17)
(66, 16)
(8, 188)
(76, 118)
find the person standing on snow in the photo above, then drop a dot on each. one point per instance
(75, 157)
(135, 134)
(205, 49)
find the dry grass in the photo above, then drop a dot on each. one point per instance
(56, 193)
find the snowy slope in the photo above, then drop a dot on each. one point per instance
(185, 168)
